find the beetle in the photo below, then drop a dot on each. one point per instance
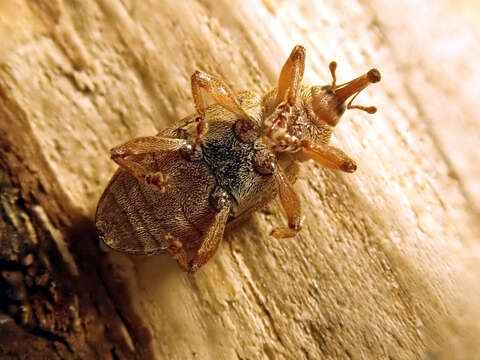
(178, 191)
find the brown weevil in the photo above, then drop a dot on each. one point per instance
(178, 191)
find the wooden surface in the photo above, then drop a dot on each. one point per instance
(386, 266)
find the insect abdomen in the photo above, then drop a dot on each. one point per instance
(134, 217)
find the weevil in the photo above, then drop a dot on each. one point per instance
(178, 191)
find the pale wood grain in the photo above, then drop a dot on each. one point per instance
(385, 266)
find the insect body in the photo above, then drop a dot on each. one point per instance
(176, 192)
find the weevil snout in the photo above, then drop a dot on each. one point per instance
(328, 102)
(374, 76)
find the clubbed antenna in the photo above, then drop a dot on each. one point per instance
(333, 67)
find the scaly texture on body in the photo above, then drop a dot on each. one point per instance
(386, 263)
(179, 191)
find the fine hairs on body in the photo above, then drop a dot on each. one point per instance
(177, 191)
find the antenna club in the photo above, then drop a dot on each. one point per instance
(374, 76)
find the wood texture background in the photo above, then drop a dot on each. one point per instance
(386, 266)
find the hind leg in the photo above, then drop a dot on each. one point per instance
(209, 243)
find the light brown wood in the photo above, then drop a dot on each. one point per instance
(386, 265)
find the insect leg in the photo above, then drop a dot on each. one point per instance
(291, 205)
(275, 130)
(177, 251)
(291, 76)
(331, 157)
(122, 155)
(221, 94)
(211, 241)
(275, 124)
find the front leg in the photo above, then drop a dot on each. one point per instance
(330, 156)
(291, 76)
(291, 205)
(275, 131)
(221, 94)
